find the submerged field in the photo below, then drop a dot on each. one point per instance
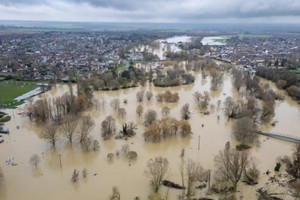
(50, 181)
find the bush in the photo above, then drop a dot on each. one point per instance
(242, 147)
(277, 167)
(132, 155)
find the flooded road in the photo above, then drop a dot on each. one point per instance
(50, 181)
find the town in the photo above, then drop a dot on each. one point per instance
(64, 55)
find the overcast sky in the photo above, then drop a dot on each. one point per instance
(194, 11)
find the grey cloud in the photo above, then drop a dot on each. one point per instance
(178, 10)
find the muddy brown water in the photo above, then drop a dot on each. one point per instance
(50, 181)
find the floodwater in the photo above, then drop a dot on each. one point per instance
(165, 45)
(50, 181)
(214, 40)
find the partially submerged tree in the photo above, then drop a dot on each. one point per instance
(86, 144)
(34, 160)
(96, 145)
(186, 129)
(84, 173)
(86, 124)
(125, 149)
(292, 163)
(149, 95)
(68, 126)
(244, 130)
(197, 96)
(230, 166)
(115, 194)
(50, 133)
(152, 132)
(165, 111)
(1, 176)
(195, 173)
(140, 96)
(185, 112)
(115, 104)
(156, 170)
(128, 129)
(122, 113)
(108, 127)
(238, 79)
(230, 107)
(150, 116)
(251, 174)
(139, 110)
(75, 176)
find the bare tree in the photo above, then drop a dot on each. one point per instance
(244, 130)
(238, 79)
(140, 96)
(230, 166)
(96, 145)
(122, 113)
(152, 132)
(128, 129)
(115, 194)
(206, 96)
(86, 144)
(50, 133)
(125, 149)
(292, 163)
(75, 176)
(149, 95)
(185, 111)
(185, 127)
(251, 174)
(115, 104)
(217, 78)
(230, 107)
(86, 124)
(195, 173)
(139, 110)
(69, 126)
(108, 127)
(84, 173)
(34, 160)
(165, 111)
(1, 176)
(150, 116)
(156, 171)
(197, 96)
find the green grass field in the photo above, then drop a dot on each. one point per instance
(296, 71)
(2, 78)
(256, 36)
(117, 68)
(223, 40)
(11, 89)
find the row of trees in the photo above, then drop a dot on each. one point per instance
(166, 128)
(231, 167)
(283, 78)
(111, 80)
(202, 100)
(71, 127)
(276, 75)
(167, 96)
(175, 77)
(45, 110)
(140, 95)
